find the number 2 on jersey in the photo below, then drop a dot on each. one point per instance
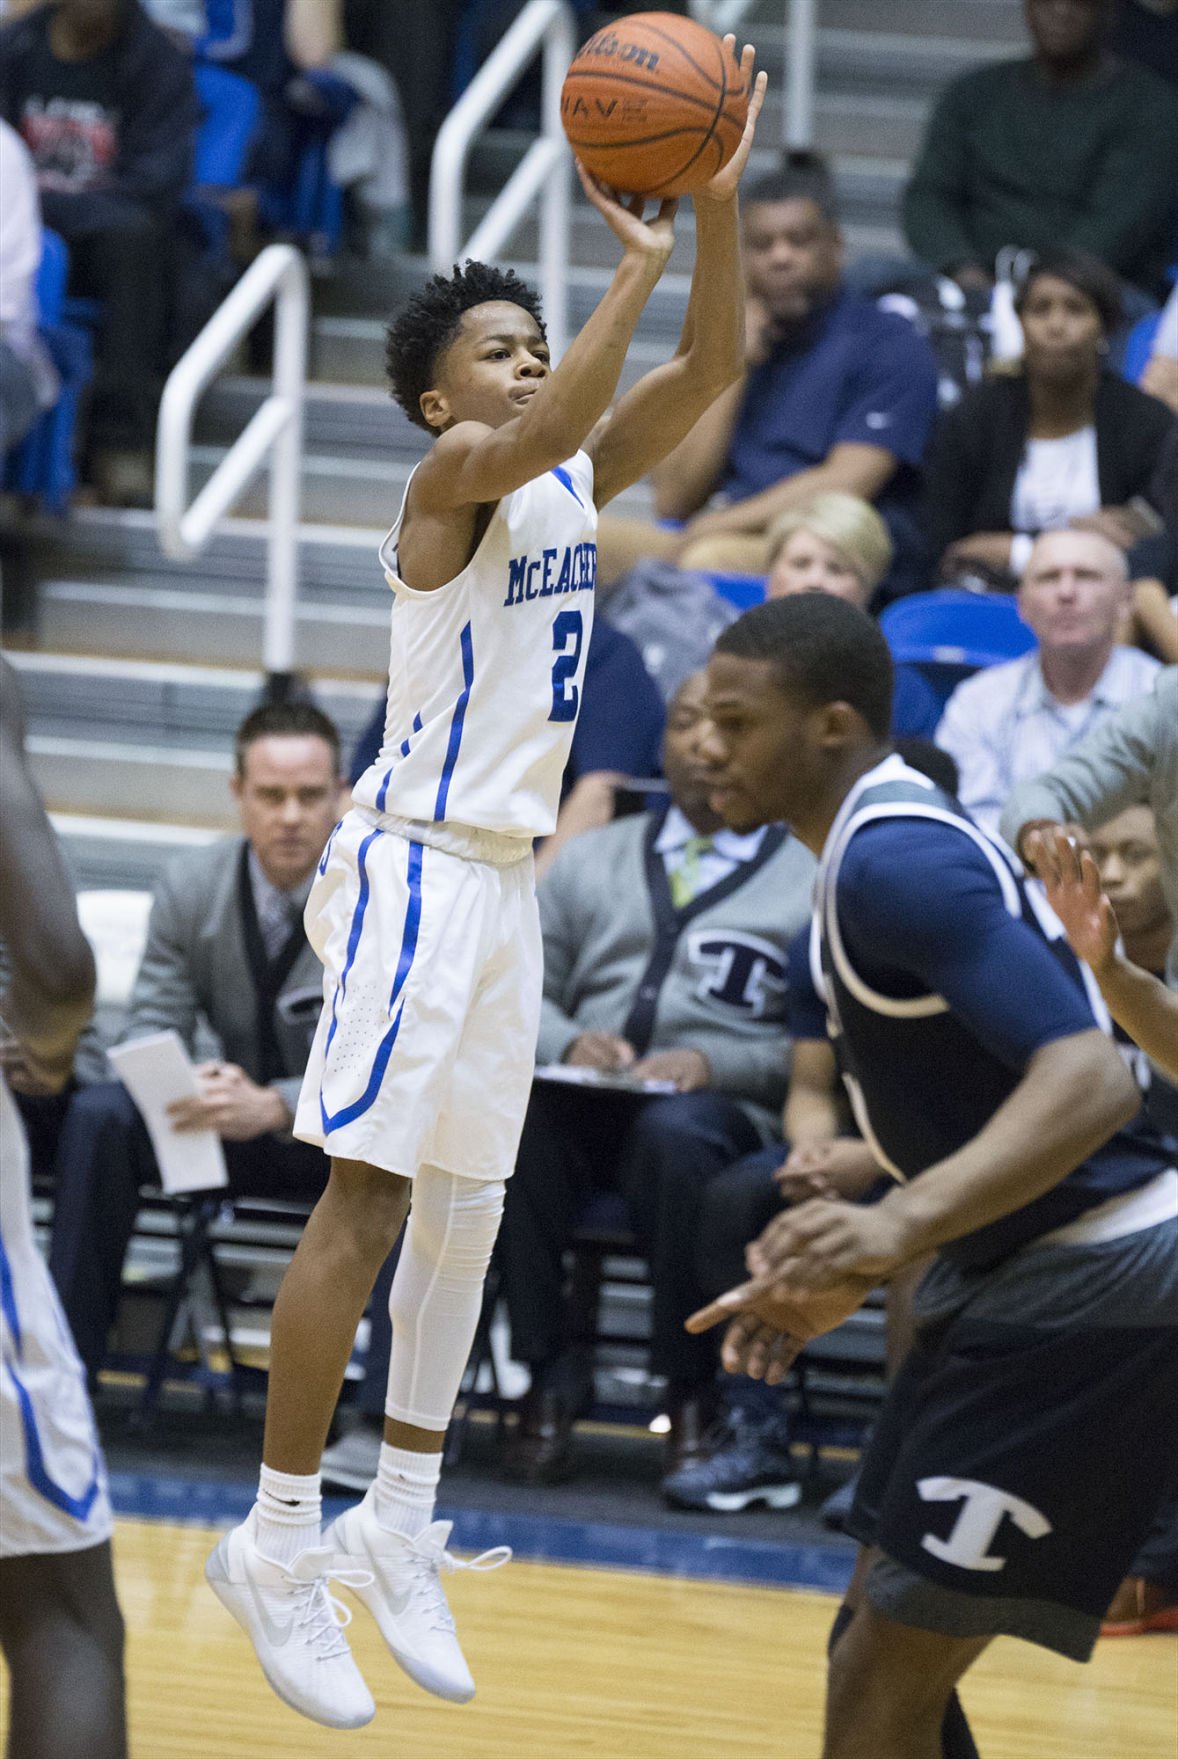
(566, 697)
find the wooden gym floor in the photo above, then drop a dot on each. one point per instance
(582, 1661)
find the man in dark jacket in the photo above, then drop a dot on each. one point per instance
(1072, 147)
(106, 105)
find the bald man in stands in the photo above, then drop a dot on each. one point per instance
(1011, 722)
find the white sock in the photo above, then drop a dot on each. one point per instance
(288, 1513)
(405, 1488)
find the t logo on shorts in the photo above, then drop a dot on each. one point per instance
(968, 1546)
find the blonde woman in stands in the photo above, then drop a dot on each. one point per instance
(834, 543)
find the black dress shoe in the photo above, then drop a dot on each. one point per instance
(539, 1449)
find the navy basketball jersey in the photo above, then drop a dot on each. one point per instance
(924, 1076)
(486, 672)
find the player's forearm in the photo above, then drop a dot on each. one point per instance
(688, 475)
(713, 329)
(1142, 1004)
(582, 387)
(1075, 1093)
(809, 1117)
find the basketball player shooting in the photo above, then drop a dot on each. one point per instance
(424, 911)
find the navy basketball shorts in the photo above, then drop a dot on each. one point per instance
(1026, 1445)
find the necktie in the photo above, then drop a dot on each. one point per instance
(274, 920)
(685, 875)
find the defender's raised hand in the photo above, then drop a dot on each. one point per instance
(1071, 880)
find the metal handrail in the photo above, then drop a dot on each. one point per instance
(278, 274)
(547, 28)
(801, 68)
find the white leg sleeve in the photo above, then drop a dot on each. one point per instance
(437, 1292)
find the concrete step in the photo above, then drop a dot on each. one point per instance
(136, 620)
(981, 21)
(103, 853)
(109, 544)
(144, 739)
(357, 489)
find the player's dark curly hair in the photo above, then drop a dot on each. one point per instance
(428, 323)
(823, 649)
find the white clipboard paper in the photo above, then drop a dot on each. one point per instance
(603, 1080)
(155, 1071)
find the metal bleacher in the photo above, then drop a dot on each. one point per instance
(136, 669)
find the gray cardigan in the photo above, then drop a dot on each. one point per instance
(1132, 760)
(195, 970)
(618, 957)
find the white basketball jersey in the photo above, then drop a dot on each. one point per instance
(53, 1494)
(485, 674)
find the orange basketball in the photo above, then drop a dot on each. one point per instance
(654, 104)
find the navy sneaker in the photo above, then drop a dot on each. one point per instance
(748, 1463)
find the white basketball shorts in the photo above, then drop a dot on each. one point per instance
(432, 976)
(53, 1495)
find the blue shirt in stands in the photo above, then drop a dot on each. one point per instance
(922, 913)
(850, 374)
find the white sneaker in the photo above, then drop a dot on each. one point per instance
(405, 1597)
(294, 1625)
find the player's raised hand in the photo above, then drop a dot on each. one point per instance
(722, 187)
(623, 214)
(1071, 880)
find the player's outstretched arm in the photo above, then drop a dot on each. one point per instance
(1136, 999)
(51, 986)
(664, 406)
(471, 463)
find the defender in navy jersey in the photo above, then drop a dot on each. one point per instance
(425, 917)
(1024, 1447)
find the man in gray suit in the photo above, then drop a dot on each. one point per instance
(225, 949)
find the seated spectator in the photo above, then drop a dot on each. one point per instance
(1071, 148)
(1008, 723)
(1128, 861)
(105, 103)
(28, 382)
(839, 544)
(664, 951)
(225, 950)
(618, 738)
(1063, 442)
(837, 395)
(270, 42)
(832, 543)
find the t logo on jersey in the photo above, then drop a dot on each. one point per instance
(983, 1511)
(742, 973)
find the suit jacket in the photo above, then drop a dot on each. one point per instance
(196, 968)
(979, 446)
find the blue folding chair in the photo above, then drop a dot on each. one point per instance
(742, 590)
(43, 463)
(948, 635)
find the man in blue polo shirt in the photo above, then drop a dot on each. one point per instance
(836, 395)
